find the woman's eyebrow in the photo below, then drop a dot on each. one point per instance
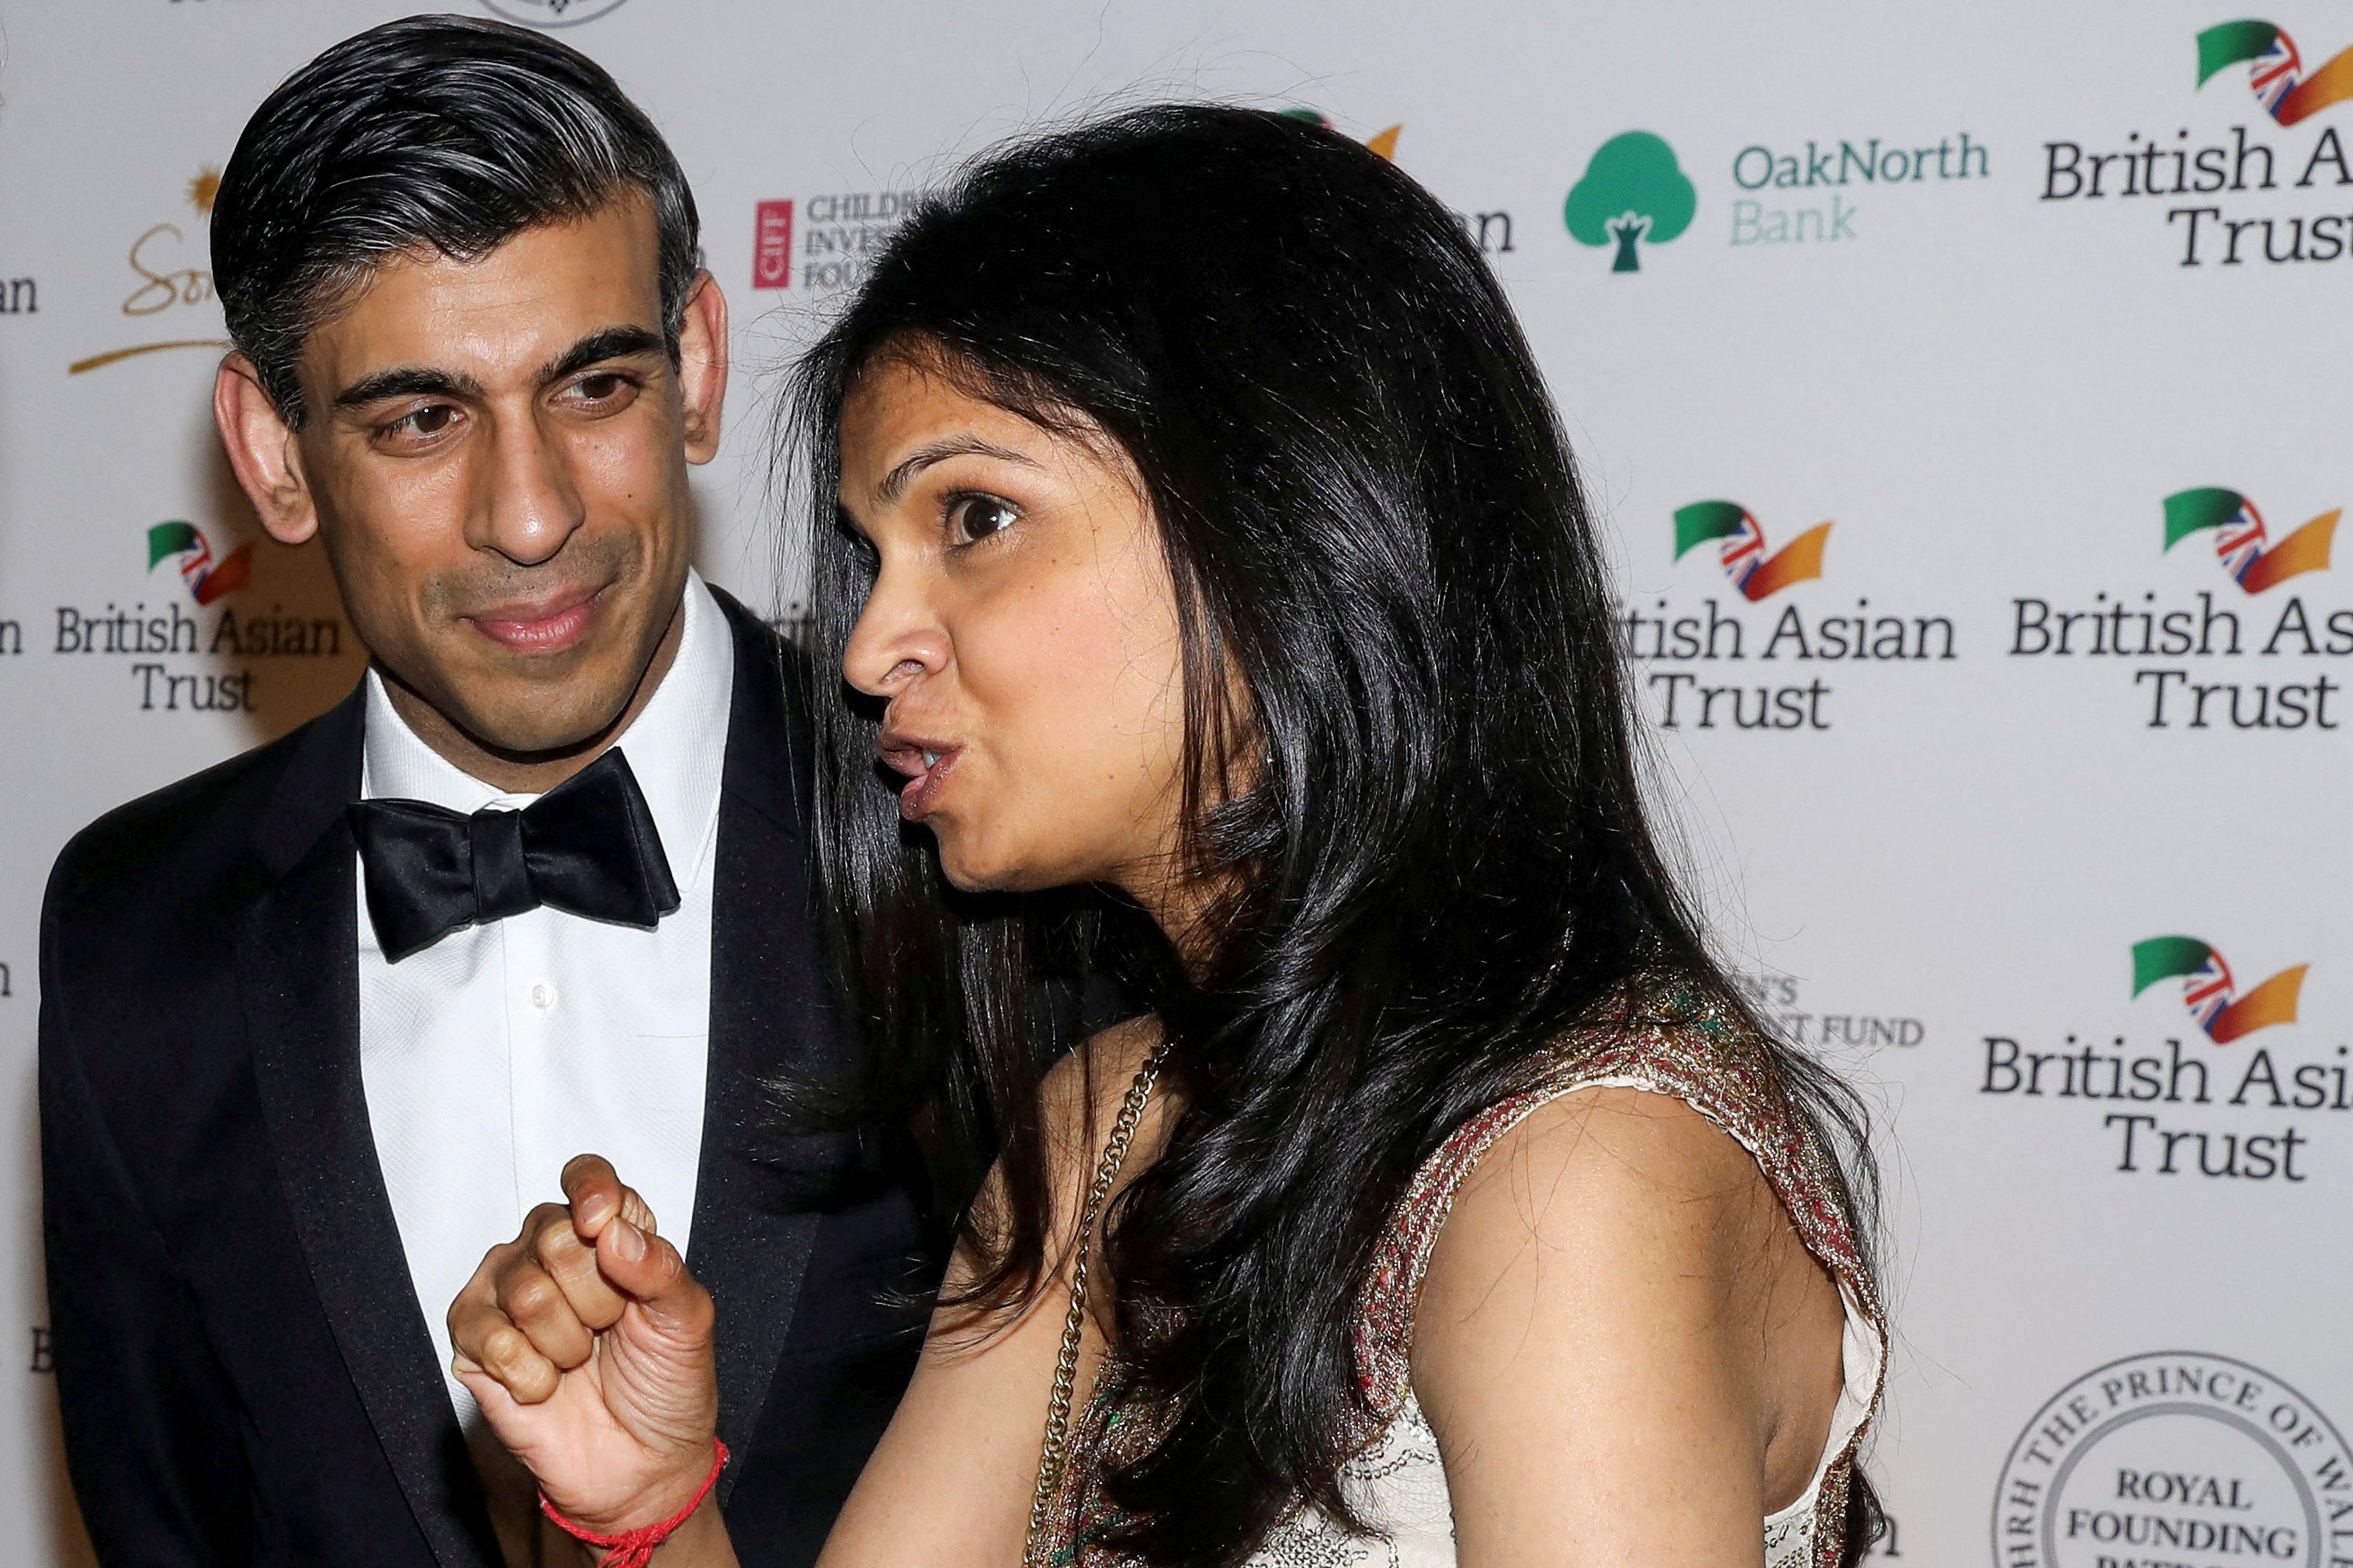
(894, 483)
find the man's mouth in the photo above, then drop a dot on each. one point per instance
(549, 623)
(925, 764)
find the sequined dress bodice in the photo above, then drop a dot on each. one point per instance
(1695, 1052)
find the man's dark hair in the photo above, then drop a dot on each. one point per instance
(433, 133)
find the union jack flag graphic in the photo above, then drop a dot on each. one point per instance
(2275, 73)
(2208, 990)
(2239, 543)
(206, 578)
(1742, 552)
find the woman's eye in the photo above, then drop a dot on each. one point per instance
(975, 518)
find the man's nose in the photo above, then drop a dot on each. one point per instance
(531, 502)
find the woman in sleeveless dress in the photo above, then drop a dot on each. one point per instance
(1205, 567)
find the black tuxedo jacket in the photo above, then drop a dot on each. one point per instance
(242, 1361)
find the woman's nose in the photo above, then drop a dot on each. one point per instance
(896, 641)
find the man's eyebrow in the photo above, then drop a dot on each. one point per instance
(613, 343)
(406, 381)
(423, 381)
(895, 482)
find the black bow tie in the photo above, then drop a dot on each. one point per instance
(587, 846)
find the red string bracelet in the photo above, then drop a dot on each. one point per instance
(635, 1548)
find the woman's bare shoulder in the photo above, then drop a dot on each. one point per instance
(1591, 1169)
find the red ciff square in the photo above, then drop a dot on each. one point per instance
(772, 246)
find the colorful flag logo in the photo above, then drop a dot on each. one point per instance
(2275, 69)
(206, 579)
(2209, 991)
(1741, 547)
(2240, 539)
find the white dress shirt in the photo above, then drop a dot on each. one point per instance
(502, 1050)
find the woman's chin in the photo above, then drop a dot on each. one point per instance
(966, 871)
(970, 869)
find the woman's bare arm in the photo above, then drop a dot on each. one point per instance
(950, 1484)
(1628, 1354)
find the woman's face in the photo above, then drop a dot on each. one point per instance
(1023, 632)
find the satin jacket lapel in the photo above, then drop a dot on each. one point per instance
(768, 1018)
(298, 980)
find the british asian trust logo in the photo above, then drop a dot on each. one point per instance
(2242, 160)
(1689, 653)
(2194, 1102)
(2187, 653)
(2241, 542)
(2209, 991)
(2274, 70)
(179, 660)
(207, 579)
(2174, 1457)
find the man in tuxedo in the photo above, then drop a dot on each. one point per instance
(322, 1025)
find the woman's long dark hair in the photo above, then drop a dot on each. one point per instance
(1442, 861)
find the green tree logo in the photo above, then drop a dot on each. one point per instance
(1632, 191)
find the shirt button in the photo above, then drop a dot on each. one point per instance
(542, 997)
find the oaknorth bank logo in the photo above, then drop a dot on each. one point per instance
(2275, 71)
(552, 13)
(208, 579)
(2208, 990)
(1741, 550)
(1633, 193)
(2243, 541)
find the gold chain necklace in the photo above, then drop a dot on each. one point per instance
(1056, 1456)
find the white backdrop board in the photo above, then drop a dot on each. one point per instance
(2004, 294)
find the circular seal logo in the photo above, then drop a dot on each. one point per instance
(2172, 1459)
(552, 12)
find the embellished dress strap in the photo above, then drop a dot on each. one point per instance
(1670, 1040)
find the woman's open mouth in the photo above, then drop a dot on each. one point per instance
(925, 762)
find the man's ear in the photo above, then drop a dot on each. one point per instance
(263, 451)
(702, 365)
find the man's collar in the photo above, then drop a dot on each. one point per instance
(677, 745)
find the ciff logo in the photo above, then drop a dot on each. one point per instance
(1633, 192)
(207, 579)
(2274, 70)
(2210, 992)
(552, 13)
(772, 246)
(1740, 547)
(2241, 542)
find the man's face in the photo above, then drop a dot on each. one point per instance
(497, 454)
